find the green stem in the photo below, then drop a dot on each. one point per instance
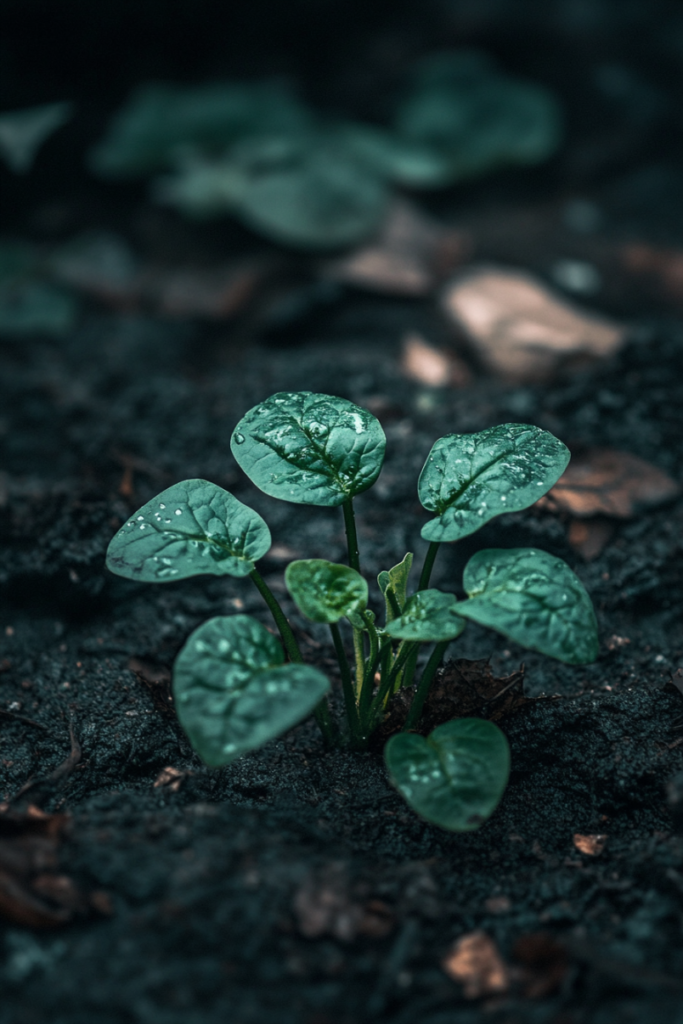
(424, 684)
(428, 565)
(406, 677)
(369, 678)
(393, 602)
(386, 686)
(351, 535)
(322, 711)
(354, 562)
(347, 682)
(288, 638)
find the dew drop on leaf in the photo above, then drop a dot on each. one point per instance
(239, 439)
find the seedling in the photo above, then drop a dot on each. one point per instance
(233, 688)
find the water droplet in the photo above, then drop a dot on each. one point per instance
(161, 505)
(178, 511)
(239, 438)
(140, 517)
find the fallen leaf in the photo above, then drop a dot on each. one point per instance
(170, 779)
(589, 537)
(591, 845)
(474, 962)
(520, 329)
(410, 255)
(666, 265)
(33, 893)
(325, 905)
(213, 294)
(613, 483)
(498, 904)
(432, 366)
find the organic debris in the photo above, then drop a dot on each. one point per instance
(602, 481)
(324, 905)
(474, 962)
(520, 329)
(462, 689)
(591, 845)
(410, 255)
(33, 892)
(432, 366)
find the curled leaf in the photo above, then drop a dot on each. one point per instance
(190, 528)
(429, 615)
(310, 449)
(325, 591)
(533, 598)
(456, 776)
(396, 582)
(470, 478)
(233, 692)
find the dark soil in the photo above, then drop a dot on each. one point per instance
(295, 886)
(218, 894)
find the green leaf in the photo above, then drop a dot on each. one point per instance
(473, 119)
(429, 615)
(360, 621)
(232, 691)
(325, 591)
(470, 478)
(310, 449)
(191, 528)
(533, 598)
(456, 776)
(396, 581)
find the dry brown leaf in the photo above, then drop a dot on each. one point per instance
(213, 294)
(665, 265)
(591, 845)
(170, 779)
(409, 257)
(33, 893)
(432, 366)
(612, 483)
(589, 537)
(157, 679)
(520, 329)
(325, 905)
(474, 961)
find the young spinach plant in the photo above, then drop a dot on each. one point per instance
(233, 689)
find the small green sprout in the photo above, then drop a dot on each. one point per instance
(233, 689)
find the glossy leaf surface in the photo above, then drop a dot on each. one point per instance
(470, 478)
(308, 448)
(232, 691)
(396, 580)
(190, 528)
(325, 591)
(532, 598)
(429, 615)
(456, 776)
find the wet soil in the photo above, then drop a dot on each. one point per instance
(295, 885)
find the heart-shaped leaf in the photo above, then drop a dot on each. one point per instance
(310, 449)
(470, 478)
(456, 776)
(429, 615)
(192, 527)
(325, 591)
(395, 581)
(532, 598)
(232, 691)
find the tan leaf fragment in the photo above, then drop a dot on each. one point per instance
(474, 962)
(432, 366)
(589, 537)
(409, 256)
(591, 845)
(612, 483)
(520, 329)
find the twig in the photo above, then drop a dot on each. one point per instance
(24, 719)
